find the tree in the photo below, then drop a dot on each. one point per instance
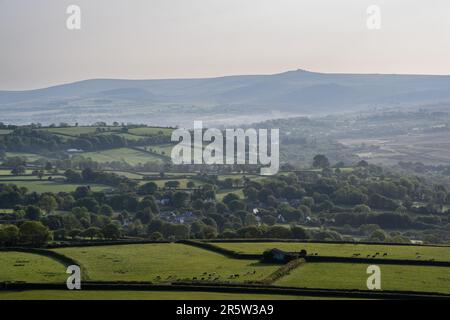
(362, 163)
(34, 233)
(9, 235)
(361, 208)
(17, 171)
(378, 236)
(89, 203)
(92, 232)
(105, 210)
(172, 184)
(299, 232)
(144, 215)
(156, 236)
(48, 166)
(190, 184)
(111, 231)
(155, 226)
(73, 176)
(229, 197)
(33, 213)
(148, 188)
(278, 232)
(320, 161)
(75, 233)
(48, 203)
(59, 234)
(269, 220)
(179, 199)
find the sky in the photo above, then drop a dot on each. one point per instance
(149, 39)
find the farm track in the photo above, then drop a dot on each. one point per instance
(232, 288)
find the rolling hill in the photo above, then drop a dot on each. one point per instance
(173, 101)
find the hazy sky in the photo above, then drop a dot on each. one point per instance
(202, 38)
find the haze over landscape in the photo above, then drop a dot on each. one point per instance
(347, 102)
(297, 92)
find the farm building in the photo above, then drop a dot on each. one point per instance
(280, 256)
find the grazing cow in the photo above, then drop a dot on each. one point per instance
(384, 254)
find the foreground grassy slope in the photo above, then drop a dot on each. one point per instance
(18, 266)
(163, 263)
(347, 250)
(140, 295)
(354, 276)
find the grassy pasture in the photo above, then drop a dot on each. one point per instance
(13, 178)
(130, 156)
(127, 136)
(19, 266)
(222, 193)
(5, 172)
(354, 276)
(50, 186)
(159, 263)
(150, 131)
(5, 131)
(139, 295)
(28, 156)
(76, 131)
(347, 250)
(163, 149)
(131, 175)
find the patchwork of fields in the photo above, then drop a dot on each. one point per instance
(166, 263)
(423, 253)
(163, 263)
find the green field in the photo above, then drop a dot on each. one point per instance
(50, 186)
(12, 178)
(150, 131)
(163, 263)
(222, 193)
(127, 136)
(7, 172)
(131, 175)
(18, 266)
(354, 276)
(130, 156)
(76, 131)
(347, 250)
(139, 295)
(164, 149)
(169, 262)
(28, 156)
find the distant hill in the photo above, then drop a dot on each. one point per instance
(292, 92)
